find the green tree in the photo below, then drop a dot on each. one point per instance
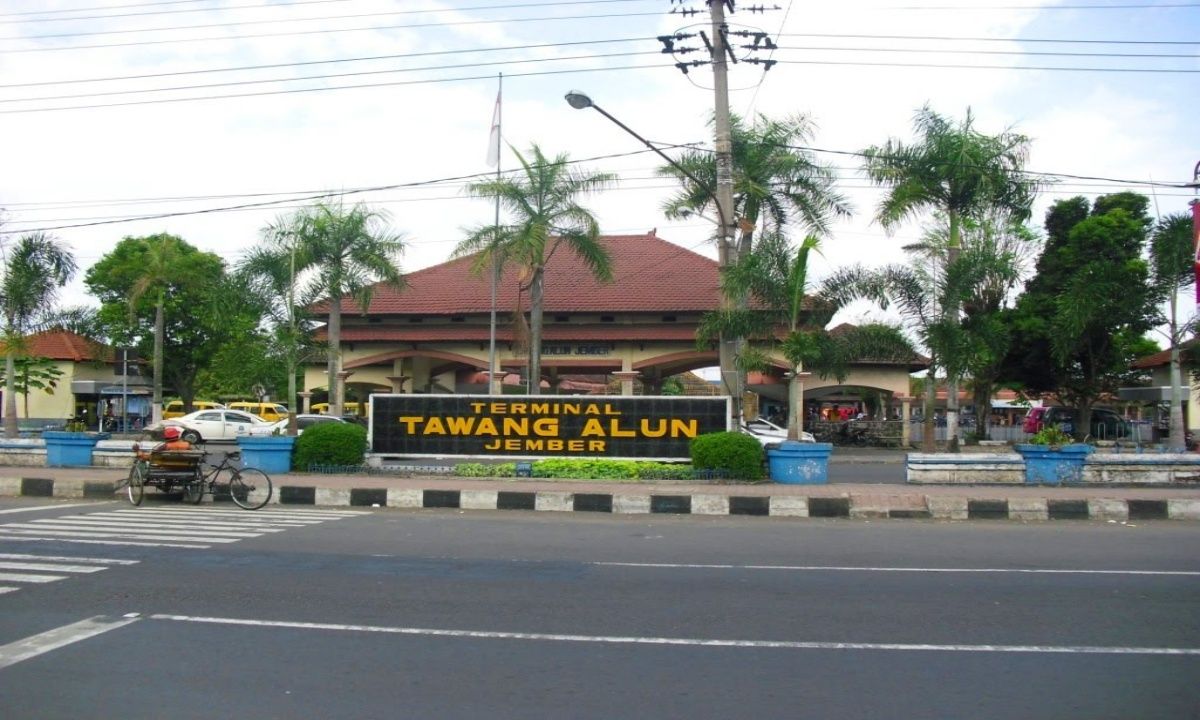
(34, 270)
(782, 317)
(1081, 319)
(34, 374)
(1172, 269)
(340, 253)
(957, 170)
(544, 216)
(167, 298)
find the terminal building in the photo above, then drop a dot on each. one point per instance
(629, 335)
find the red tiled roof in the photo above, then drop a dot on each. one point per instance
(1159, 359)
(550, 333)
(649, 275)
(66, 345)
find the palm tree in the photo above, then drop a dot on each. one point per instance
(774, 276)
(955, 169)
(776, 182)
(34, 270)
(544, 217)
(1171, 256)
(340, 253)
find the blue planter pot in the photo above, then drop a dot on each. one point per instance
(271, 454)
(797, 463)
(1054, 466)
(70, 449)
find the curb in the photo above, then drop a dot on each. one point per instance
(852, 505)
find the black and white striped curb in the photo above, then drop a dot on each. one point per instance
(902, 505)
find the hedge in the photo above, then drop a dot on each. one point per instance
(330, 444)
(736, 453)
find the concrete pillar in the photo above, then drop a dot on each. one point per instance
(905, 425)
(341, 390)
(397, 382)
(626, 378)
(305, 401)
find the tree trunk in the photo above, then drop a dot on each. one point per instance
(10, 393)
(292, 408)
(1178, 433)
(951, 314)
(160, 328)
(983, 410)
(795, 405)
(334, 363)
(929, 427)
(536, 288)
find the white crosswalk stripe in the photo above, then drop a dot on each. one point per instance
(43, 569)
(193, 527)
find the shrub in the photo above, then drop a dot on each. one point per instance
(737, 453)
(485, 470)
(1051, 435)
(330, 444)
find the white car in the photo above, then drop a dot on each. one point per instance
(204, 425)
(304, 421)
(770, 434)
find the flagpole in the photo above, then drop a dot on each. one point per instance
(493, 371)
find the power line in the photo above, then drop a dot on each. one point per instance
(242, 83)
(151, 12)
(972, 38)
(972, 8)
(1034, 53)
(294, 91)
(948, 66)
(103, 7)
(325, 18)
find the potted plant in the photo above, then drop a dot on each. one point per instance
(269, 453)
(1052, 457)
(67, 448)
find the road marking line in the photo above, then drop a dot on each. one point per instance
(35, 645)
(150, 523)
(35, 538)
(146, 532)
(21, 577)
(114, 536)
(124, 515)
(44, 507)
(63, 558)
(7, 589)
(47, 567)
(140, 527)
(697, 642)
(837, 568)
(296, 514)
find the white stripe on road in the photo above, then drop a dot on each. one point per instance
(36, 538)
(116, 536)
(253, 515)
(7, 589)
(25, 578)
(696, 642)
(85, 523)
(46, 567)
(198, 518)
(35, 645)
(63, 558)
(44, 507)
(56, 525)
(852, 568)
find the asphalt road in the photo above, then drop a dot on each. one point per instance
(319, 614)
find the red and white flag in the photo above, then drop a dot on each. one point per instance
(493, 155)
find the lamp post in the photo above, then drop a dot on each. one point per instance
(728, 346)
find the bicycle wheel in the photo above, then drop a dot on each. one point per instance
(193, 491)
(136, 487)
(250, 488)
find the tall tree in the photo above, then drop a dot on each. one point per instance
(1081, 319)
(955, 169)
(34, 271)
(544, 216)
(783, 317)
(342, 254)
(1171, 261)
(169, 299)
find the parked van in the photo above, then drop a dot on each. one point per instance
(349, 408)
(174, 408)
(271, 412)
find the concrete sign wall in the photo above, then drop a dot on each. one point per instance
(517, 426)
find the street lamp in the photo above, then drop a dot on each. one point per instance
(580, 101)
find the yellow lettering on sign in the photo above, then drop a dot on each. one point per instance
(411, 422)
(516, 408)
(595, 446)
(591, 409)
(539, 408)
(658, 431)
(545, 427)
(493, 445)
(610, 410)
(477, 407)
(616, 431)
(434, 426)
(460, 425)
(684, 428)
(570, 409)
(592, 427)
(516, 426)
(534, 444)
(486, 426)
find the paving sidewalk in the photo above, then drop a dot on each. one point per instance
(951, 502)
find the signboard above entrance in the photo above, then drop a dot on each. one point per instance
(513, 426)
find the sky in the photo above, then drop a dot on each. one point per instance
(115, 110)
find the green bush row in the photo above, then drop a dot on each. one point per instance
(330, 444)
(738, 454)
(582, 469)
